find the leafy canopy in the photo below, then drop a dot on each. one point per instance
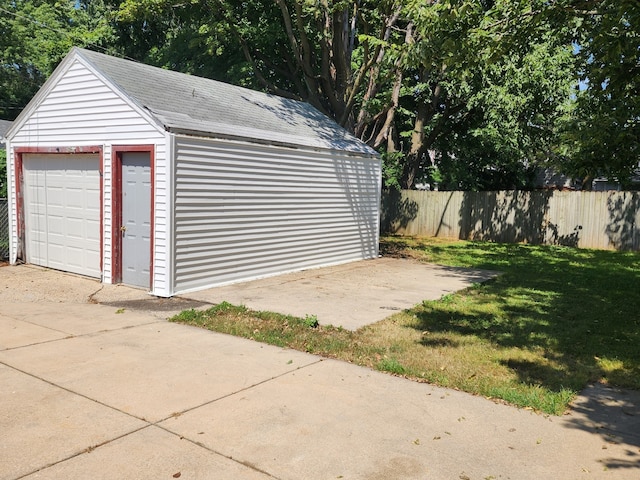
(471, 94)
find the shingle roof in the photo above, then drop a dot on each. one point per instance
(4, 127)
(195, 105)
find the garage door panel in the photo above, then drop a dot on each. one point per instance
(56, 225)
(77, 257)
(62, 212)
(55, 198)
(55, 255)
(38, 252)
(76, 228)
(93, 233)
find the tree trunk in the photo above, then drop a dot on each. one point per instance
(418, 146)
(587, 183)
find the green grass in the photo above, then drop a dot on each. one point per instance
(554, 320)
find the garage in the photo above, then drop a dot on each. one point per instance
(175, 183)
(62, 212)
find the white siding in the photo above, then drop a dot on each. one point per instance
(245, 211)
(80, 109)
(161, 225)
(13, 215)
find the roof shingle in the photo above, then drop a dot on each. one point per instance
(195, 105)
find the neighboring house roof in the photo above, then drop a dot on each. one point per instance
(188, 104)
(4, 127)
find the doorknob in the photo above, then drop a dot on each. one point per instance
(123, 229)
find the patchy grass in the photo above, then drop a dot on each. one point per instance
(281, 330)
(556, 319)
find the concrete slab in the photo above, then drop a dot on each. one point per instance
(614, 415)
(31, 284)
(150, 454)
(20, 284)
(350, 295)
(72, 319)
(17, 333)
(157, 370)
(78, 373)
(336, 420)
(41, 424)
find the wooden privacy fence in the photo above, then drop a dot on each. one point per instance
(605, 220)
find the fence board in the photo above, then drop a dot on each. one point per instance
(604, 220)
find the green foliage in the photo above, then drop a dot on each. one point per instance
(35, 35)
(499, 105)
(470, 98)
(604, 128)
(392, 169)
(310, 321)
(228, 308)
(391, 365)
(600, 132)
(467, 94)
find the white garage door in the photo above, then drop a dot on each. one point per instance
(62, 212)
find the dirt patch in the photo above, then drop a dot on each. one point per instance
(157, 304)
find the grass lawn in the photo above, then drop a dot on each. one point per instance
(556, 319)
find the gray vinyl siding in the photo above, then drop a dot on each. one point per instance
(246, 211)
(82, 109)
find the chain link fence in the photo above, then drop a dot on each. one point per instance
(4, 229)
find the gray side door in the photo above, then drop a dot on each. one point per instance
(136, 218)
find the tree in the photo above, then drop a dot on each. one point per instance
(482, 113)
(320, 52)
(511, 124)
(471, 93)
(602, 132)
(405, 77)
(34, 36)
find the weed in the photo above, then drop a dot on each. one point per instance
(311, 321)
(447, 298)
(391, 365)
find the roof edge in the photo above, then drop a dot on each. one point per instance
(140, 109)
(369, 152)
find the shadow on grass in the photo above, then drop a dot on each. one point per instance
(439, 342)
(577, 309)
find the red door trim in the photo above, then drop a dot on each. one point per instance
(18, 153)
(116, 207)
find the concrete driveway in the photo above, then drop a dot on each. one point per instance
(350, 295)
(98, 391)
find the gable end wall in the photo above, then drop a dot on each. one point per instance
(80, 109)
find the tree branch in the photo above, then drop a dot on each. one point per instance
(261, 78)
